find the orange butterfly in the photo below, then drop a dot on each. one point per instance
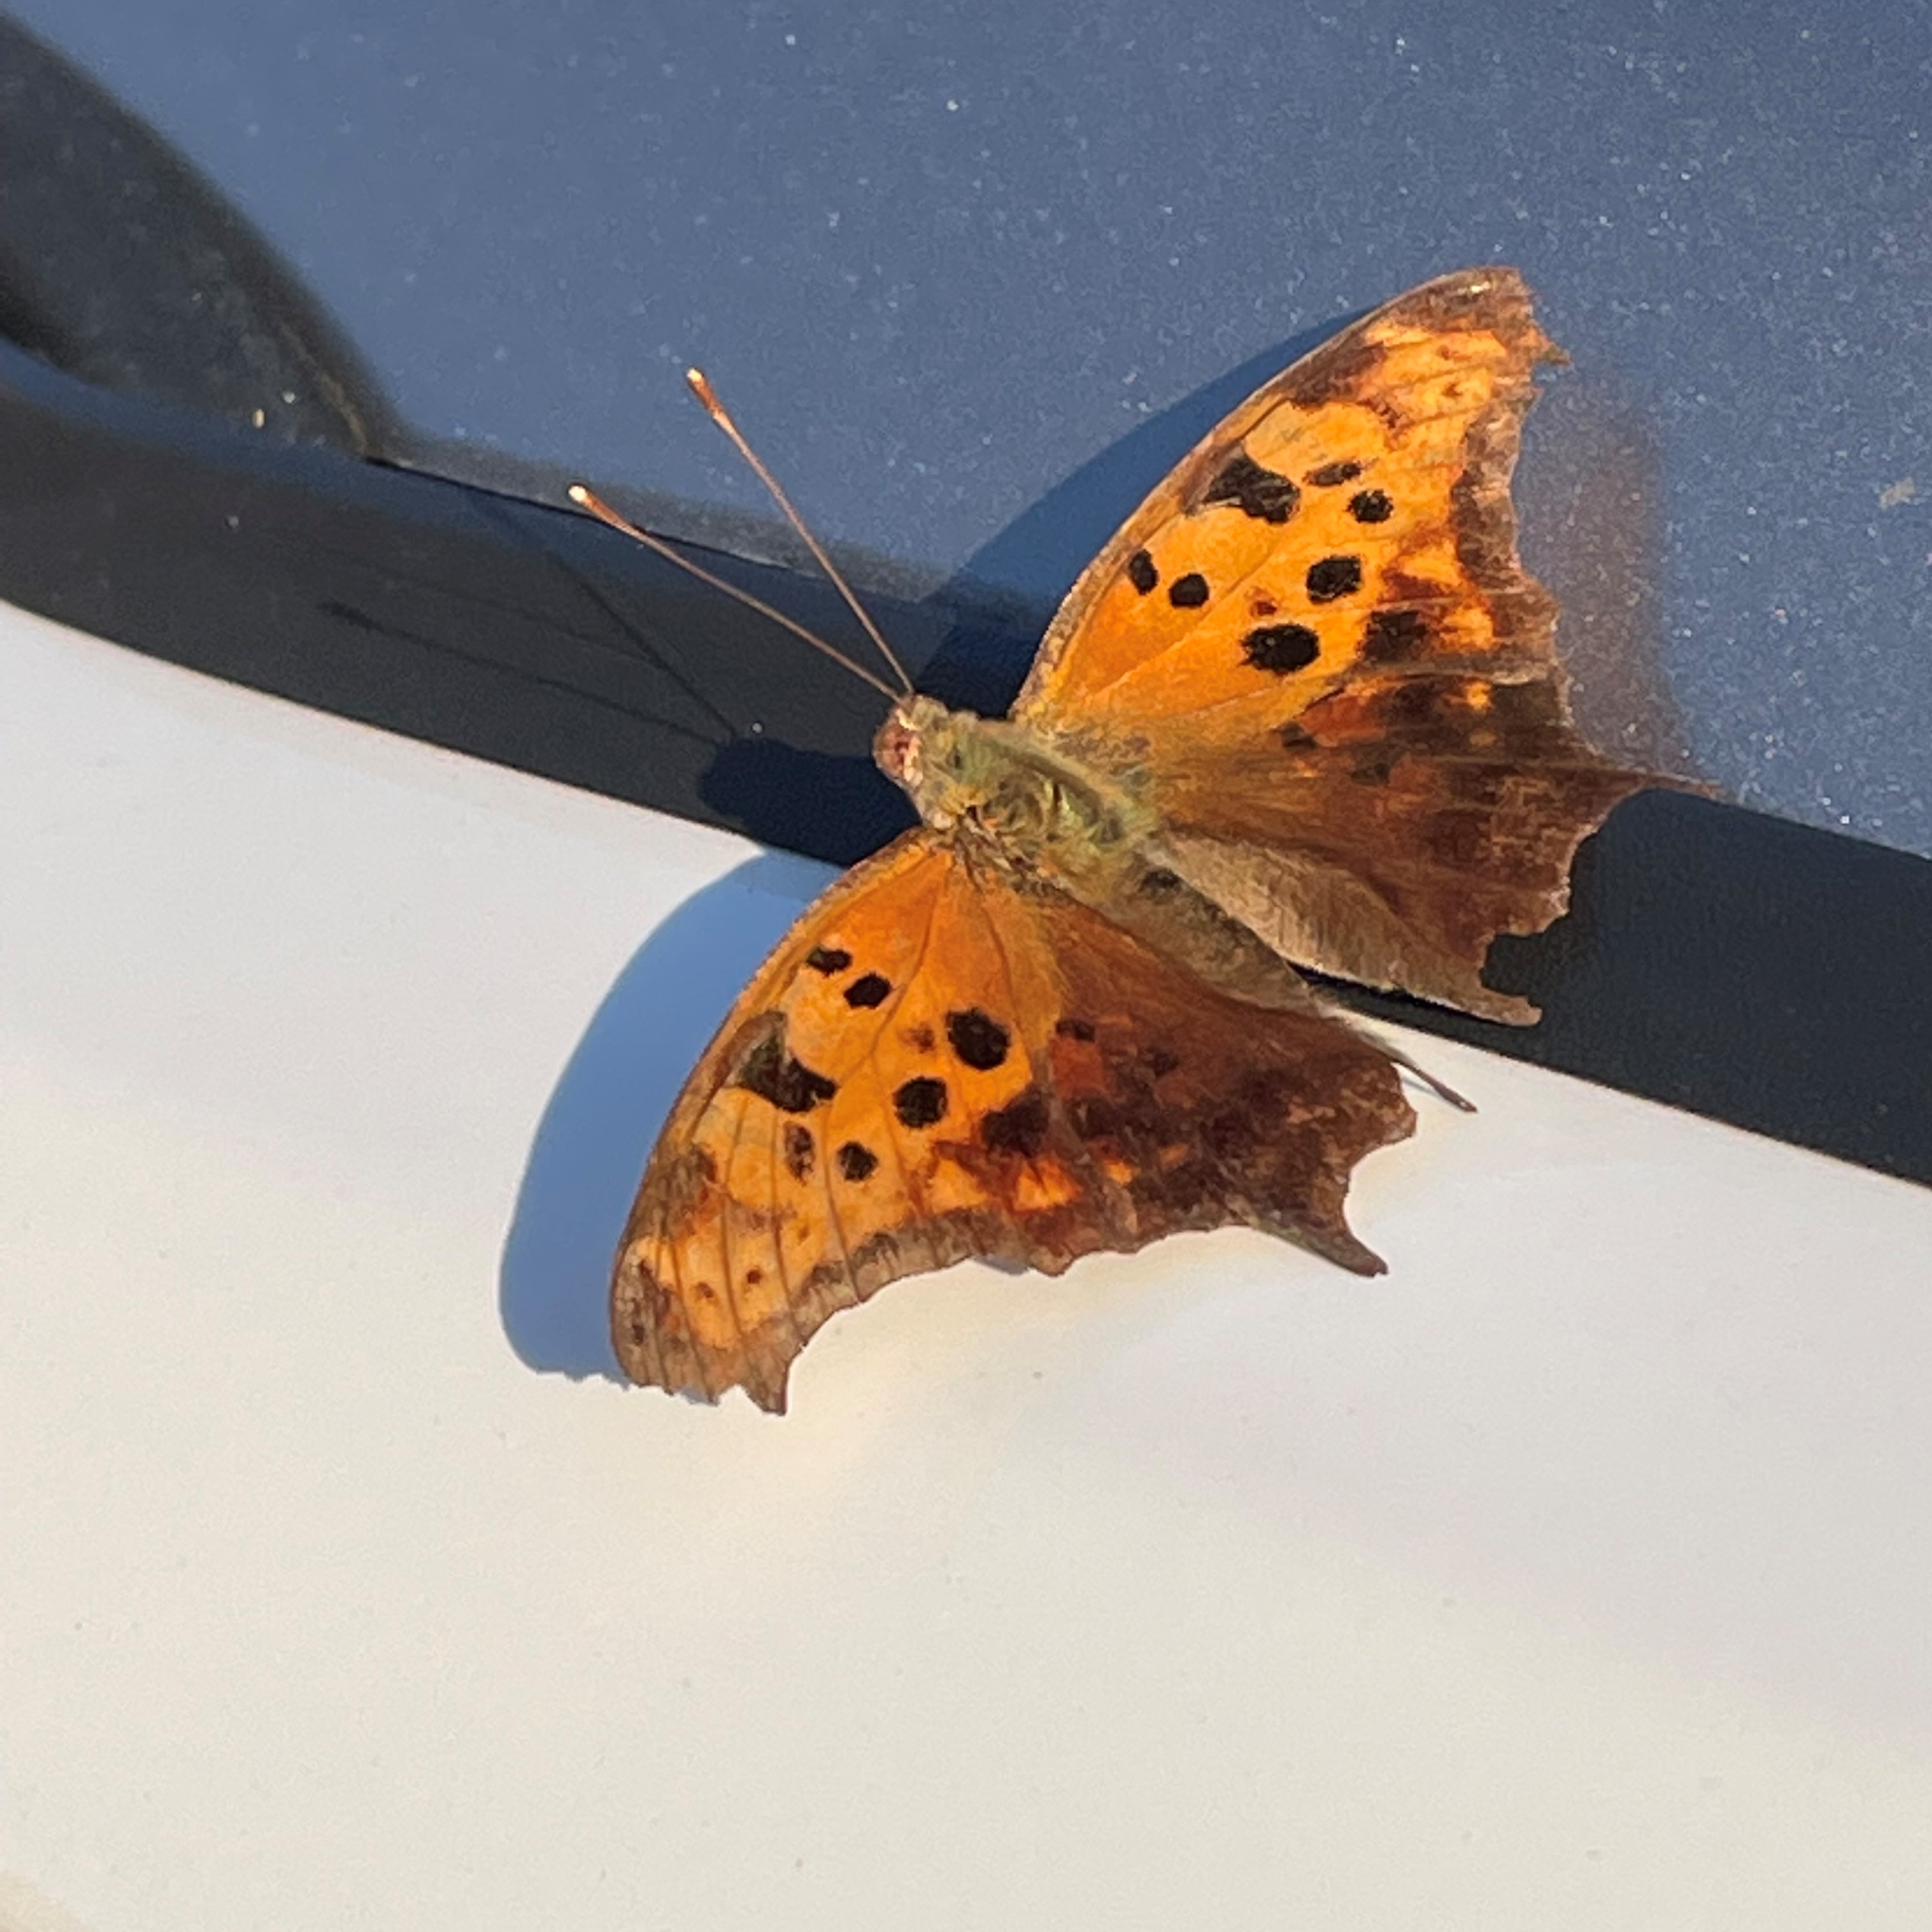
(1304, 710)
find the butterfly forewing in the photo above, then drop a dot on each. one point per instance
(1353, 513)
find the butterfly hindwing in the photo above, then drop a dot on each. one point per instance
(940, 1062)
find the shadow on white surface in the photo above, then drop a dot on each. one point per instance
(1573, 1577)
(605, 1112)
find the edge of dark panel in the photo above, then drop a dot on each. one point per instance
(1737, 966)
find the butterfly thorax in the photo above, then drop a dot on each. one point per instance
(1014, 800)
(1023, 803)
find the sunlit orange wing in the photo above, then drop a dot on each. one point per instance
(1316, 638)
(936, 1063)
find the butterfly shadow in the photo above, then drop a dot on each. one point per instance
(604, 1112)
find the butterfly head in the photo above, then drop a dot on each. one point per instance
(929, 752)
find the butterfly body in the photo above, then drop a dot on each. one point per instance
(1034, 805)
(1303, 711)
(1033, 812)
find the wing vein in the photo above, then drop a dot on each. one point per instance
(778, 1238)
(1102, 1187)
(914, 1193)
(728, 1284)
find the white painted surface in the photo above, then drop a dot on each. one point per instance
(1577, 1574)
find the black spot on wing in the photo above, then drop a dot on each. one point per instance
(1020, 1127)
(1141, 573)
(1330, 578)
(856, 1163)
(868, 990)
(1371, 506)
(799, 1151)
(1189, 593)
(1331, 474)
(978, 1038)
(1253, 490)
(1282, 648)
(1073, 1029)
(1394, 637)
(828, 959)
(774, 1075)
(920, 1102)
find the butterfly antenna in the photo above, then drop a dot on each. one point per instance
(587, 498)
(701, 388)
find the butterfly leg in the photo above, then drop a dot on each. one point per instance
(1439, 1088)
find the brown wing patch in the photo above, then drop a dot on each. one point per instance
(1035, 1085)
(1203, 1110)
(1388, 833)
